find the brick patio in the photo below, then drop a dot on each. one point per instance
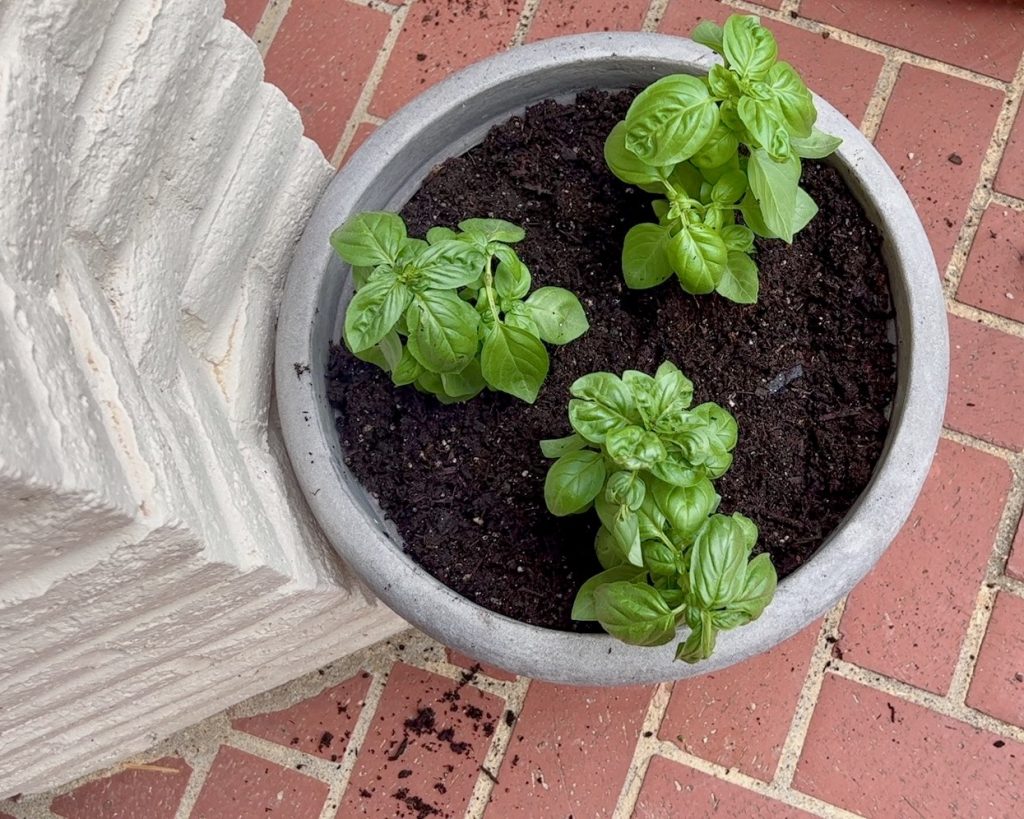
(906, 700)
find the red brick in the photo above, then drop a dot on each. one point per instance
(427, 763)
(438, 38)
(1010, 178)
(880, 756)
(908, 618)
(983, 35)
(321, 58)
(153, 791)
(739, 717)
(243, 786)
(842, 74)
(931, 120)
(362, 133)
(320, 725)
(492, 671)
(997, 687)
(994, 277)
(245, 13)
(570, 751)
(986, 383)
(7, 816)
(1015, 563)
(557, 17)
(674, 790)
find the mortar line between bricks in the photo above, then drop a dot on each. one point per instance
(378, 5)
(1007, 201)
(266, 29)
(796, 799)
(372, 119)
(880, 96)
(867, 44)
(526, 16)
(1010, 585)
(793, 745)
(200, 759)
(362, 106)
(964, 439)
(514, 698)
(926, 699)
(979, 316)
(645, 748)
(970, 647)
(982, 195)
(655, 13)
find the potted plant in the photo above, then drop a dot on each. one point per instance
(385, 175)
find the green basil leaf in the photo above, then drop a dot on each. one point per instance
(729, 188)
(661, 209)
(698, 256)
(391, 348)
(557, 447)
(495, 230)
(373, 355)
(407, 371)
(514, 361)
(466, 383)
(716, 464)
(628, 167)
(794, 99)
(601, 403)
(739, 281)
(701, 643)
(410, 251)
(644, 261)
(718, 563)
(519, 315)
(753, 218)
(373, 311)
(774, 184)
(512, 278)
(816, 146)
(758, 588)
(634, 613)
(573, 481)
(625, 489)
(442, 331)
(361, 275)
(440, 234)
(370, 239)
(686, 508)
(806, 209)
(634, 448)
(738, 238)
(765, 125)
(558, 313)
(583, 607)
(675, 470)
(708, 34)
(607, 549)
(450, 264)
(670, 120)
(652, 522)
(721, 425)
(720, 147)
(659, 559)
(723, 83)
(624, 526)
(749, 47)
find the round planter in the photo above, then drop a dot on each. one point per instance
(386, 171)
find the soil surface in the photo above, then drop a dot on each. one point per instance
(808, 371)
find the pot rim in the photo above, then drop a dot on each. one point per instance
(434, 126)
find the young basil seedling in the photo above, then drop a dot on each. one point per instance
(713, 146)
(645, 460)
(450, 314)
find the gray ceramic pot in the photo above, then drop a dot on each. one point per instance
(387, 170)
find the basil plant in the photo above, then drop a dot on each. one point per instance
(730, 142)
(645, 460)
(450, 314)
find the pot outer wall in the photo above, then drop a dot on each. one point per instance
(388, 169)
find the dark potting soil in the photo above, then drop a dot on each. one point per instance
(808, 371)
